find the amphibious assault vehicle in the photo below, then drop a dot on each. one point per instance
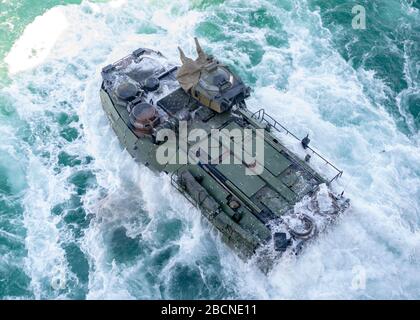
(265, 190)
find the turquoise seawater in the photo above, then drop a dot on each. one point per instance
(80, 220)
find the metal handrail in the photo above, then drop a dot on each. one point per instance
(178, 186)
(263, 116)
(175, 183)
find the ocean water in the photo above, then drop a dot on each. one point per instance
(80, 220)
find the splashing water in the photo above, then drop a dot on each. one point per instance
(80, 219)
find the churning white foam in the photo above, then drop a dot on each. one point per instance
(38, 39)
(45, 262)
(377, 240)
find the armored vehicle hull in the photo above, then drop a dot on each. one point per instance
(265, 200)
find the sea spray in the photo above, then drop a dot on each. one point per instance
(94, 224)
